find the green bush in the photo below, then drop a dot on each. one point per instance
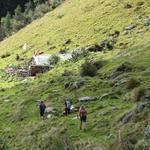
(138, 93)
(88, 69)
(131, 83)
(54, 59)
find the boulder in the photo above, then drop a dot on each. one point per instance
(140, 107)
(94, 48)
(124, 67)
(131, 26)
(106, 44)
(146, 96)
(63, 51)
(78, 52)
(73, 109)
(67, 85)
(107, 95)
(147, 22)
(49, 110)
(126, 117)
(37, 69)
(86, 98)
(147, 132)
(77, 85)
(49, 116)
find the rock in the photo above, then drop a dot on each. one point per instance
(49, 110)
(131, 26)
(73, 109)
(77, 85)
(141, 31)
(49, 116)
(94, 48)
(67, 41)
(107, 95)
(37, 69)
(67, 85)
(75, 118)
(7, 100)
(25, 47)
(78, 52)
(106, 44)
(86, 98)
(120, 83)
(65, 56)
(126, 117)
(140, 107)
(147, 132)
(124, 67)
(146, 96)
(125, 32)
(147, 21)
(63, 51)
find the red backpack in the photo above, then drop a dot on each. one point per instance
(83, 113)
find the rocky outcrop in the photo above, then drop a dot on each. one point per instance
(147, 132)
(140, 107)
(147, 21)
(78, 52)
(131, 26)
(124, 67)
(108, 95)
(126, 117)
(74, 85)
(86, 98)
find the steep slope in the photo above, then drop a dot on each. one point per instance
(118, 121)
(83, 22)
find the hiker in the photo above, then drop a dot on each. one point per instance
(67, 107)
(83, 116)
(42, 108)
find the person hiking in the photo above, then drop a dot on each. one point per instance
(42, 108)
(67, 107)
(83, 116)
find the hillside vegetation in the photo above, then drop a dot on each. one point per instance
(118, 87)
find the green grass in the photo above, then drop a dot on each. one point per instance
(85, 22)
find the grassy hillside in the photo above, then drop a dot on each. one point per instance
(84, 23)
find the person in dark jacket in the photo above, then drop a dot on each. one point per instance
(42, 108)
(67, 107)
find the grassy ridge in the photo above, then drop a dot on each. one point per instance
(84, 22)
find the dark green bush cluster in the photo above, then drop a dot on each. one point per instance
(18, 19)
(131, 83)
(138, 93)
(88, 69)
(54, 59)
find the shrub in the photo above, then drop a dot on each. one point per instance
(67, 73)
(131, 83)
(88, 69)
(138, 93)
(54, 59)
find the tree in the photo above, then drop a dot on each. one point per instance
(29, 12)
(18, 19)
(6, 25)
